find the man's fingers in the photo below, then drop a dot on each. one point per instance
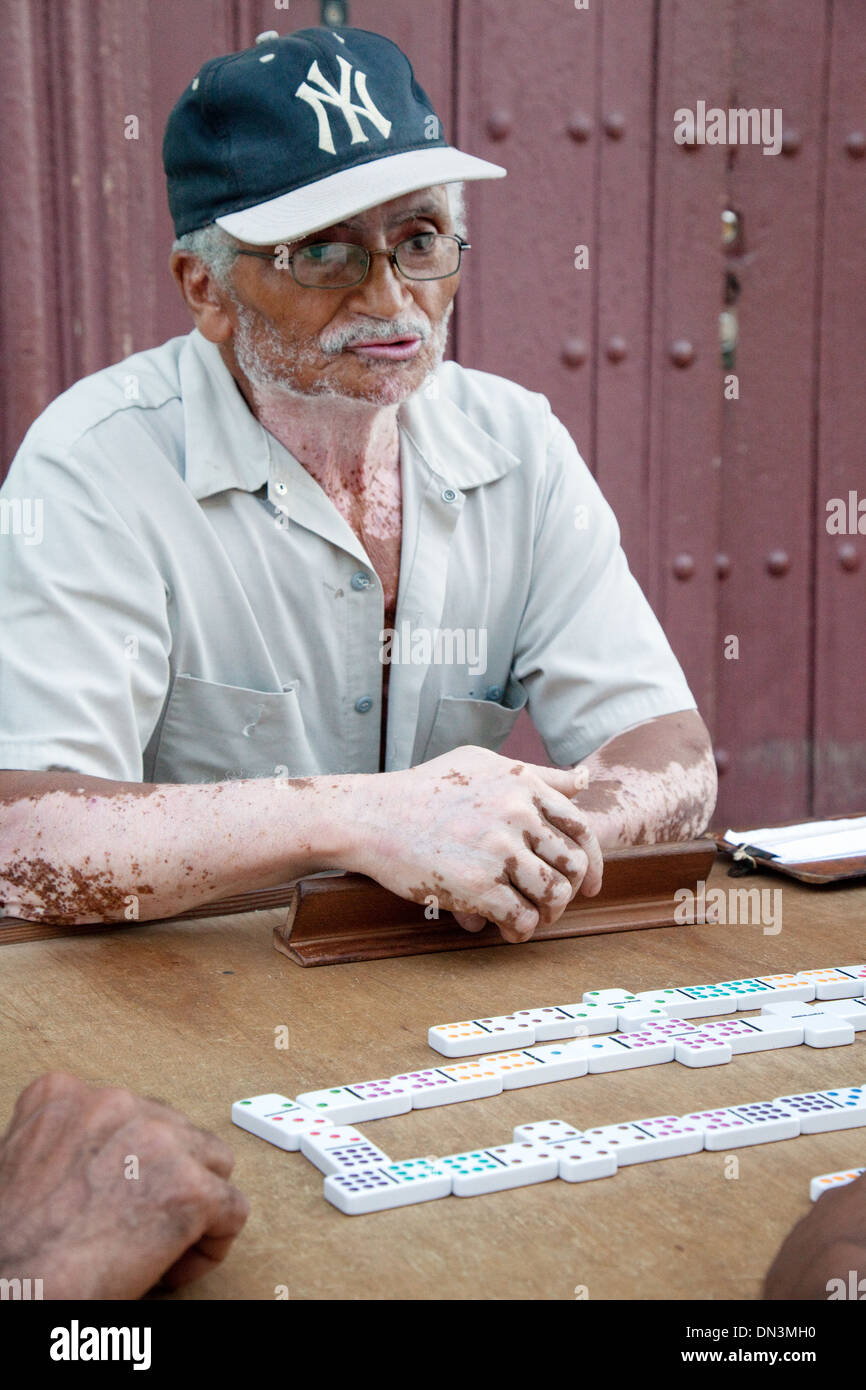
(566, 780)
(568, 819)
(470, 921)
(212, 1247)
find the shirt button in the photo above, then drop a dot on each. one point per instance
(361, 580)
(363, 704)
(493, 692)
(280, 488)
(448, 494)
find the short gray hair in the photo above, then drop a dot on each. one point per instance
(217, 249)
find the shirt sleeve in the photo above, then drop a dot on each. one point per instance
(590, 652)
(84, 660)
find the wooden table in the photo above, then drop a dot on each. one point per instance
(188, 1012)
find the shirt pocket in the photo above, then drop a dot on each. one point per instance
(214, 733)
(485, 723)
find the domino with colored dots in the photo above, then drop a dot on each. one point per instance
(755, 1034)
(626, 1050)
(275, 1118)
(787, 985)
(340, 1149)
(392, 1185)
(831, 983)
(548, 1024)
(479, 1035)
(643, 1141)
(737, 1126)
(820, 1111)
(536, 1065)
(449, 1084)
(609, 996)
(825, 1181)
(546, 1132)
(495, 1169)
(701, 1050)
(584, 1161)
(362, 1100)
(590, 1019)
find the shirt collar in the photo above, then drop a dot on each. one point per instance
(227, 447)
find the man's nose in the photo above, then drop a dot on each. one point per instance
(383, 291)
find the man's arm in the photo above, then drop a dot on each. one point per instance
(479, 832)
(653, 784)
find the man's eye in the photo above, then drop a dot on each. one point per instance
(423, 241)
(319, 252)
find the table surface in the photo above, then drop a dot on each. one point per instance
(189, 1012)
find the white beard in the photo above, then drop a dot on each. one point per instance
(259, 347)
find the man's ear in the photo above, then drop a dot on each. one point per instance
(205, 301)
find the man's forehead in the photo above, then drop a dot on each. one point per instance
(423, 202)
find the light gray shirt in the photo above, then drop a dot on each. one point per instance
(182, 602)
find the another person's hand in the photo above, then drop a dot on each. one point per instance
(828, 1244)
(103, 1194)
(488, 837)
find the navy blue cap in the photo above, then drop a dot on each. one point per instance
(300, 132)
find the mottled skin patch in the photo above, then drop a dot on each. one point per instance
(654, 784)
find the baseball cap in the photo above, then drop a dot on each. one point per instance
(299, 132)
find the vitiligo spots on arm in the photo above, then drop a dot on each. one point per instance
(79, 849)
(653, 784)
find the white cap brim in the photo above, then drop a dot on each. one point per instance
(330, 200)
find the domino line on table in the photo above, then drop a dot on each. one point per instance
(359, 1178)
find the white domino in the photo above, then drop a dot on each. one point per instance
(480, 1035)
(392, 1185)
(609, 996)
(831, 983)
(340, 1149)
(275, 1118)
(786, 985)
(749, 992)
(448, 1084)
(852, 1010)
(755, 1034)
(826, 1181)
(560, 1061)
(632, 1018)
(699, 1050)
(589, 1019)
(584, 1161)
(548, 1024)
(362, 1100)
(546, 1132)
(856, 972)
(705, 1001)
(820, 1029)
(737, 1126)
(643, 1141)
(494, 1169)
(539, 1064)
(627, 1050)
(820, 1111)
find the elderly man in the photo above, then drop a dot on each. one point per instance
(299, 575)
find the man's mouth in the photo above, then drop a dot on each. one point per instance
(389, 349)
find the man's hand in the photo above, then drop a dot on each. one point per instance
(490, 838)
(827, 1244)
(72, 1212)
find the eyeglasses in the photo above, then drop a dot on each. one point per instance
(336, 265)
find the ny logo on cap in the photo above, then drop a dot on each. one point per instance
(342, 98)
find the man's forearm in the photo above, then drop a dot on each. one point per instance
(654, 783)
(83, 849)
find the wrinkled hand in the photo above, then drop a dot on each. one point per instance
(827, 1244)
(70, 1216)
(488, 837)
